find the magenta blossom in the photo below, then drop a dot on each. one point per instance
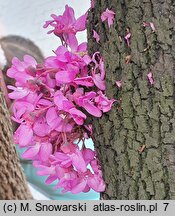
(96, 36)
(56, 121)
(98, 73)
(52, 102)
(109, 16)
(150, 78)
(18, 92)
(23, 135)
(118, 83)
(149, 24)
(77, 115)
(84, 81)
(67, 25)
(128, 37)
(39, 151)
(87, 101)
(22, 71)
(103, 103)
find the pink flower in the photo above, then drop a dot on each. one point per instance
(19, 109)
(40, 151)
(128, 36)
(87, 103)
(50, 82)
(52, 118)
(96, 183)
(149, 24)
(62, 102)
(101, 68)
(18, 93)
(78, 93)
(91, 108)
(52, 101)
(23, 135)
(41, 128)
(88, 155)
(99, 77)
(56, 122)
(78, 161)
(96, 36)
(109, 15)
(118, 83)
(84, 81)
(20, 70)
(95, 166)
(150, 78)
(31, 152)
(80, 187)
(66, 25)
(68, 181)
(74, 158)
(99, 82)
(46, 170)
(66, 76)
(88, 131)
(77, 115)
(103, 103)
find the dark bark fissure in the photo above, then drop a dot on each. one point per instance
(145, 116)
(12, 181)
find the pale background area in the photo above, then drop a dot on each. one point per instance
(27, 17)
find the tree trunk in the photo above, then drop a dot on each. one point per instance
(135, 141)
(12, 181)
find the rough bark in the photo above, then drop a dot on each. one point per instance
(146, 114)
(12, 181)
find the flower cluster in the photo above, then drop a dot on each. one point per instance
(52, 102)
(66, 26)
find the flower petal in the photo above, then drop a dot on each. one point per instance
(25, 135)
(80, 24)
(91, 108)
(45, 151)
(96, 36)
(65, 76)
(31, 152)
(77, 115)
(79, 187)
(96, 183)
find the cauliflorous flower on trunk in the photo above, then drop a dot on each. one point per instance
(52, 101)
(103, 103)
(128, 37)
(23, 135)
(39, 151)
(87, 101)
(18, 92)
(109, 16)
(118, 83)
(149, 24)
(66, 25)
(21, 70)
(150, 78)
(96, 36)
(98, 72)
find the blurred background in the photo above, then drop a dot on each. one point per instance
(26, 19)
